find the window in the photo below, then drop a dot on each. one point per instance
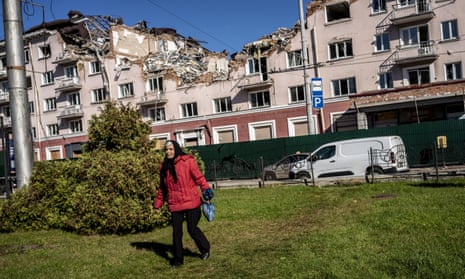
(52, 130)
(75, 126)
(337, 11)
(50, 104)
(449, 30)
(47, 78)
(126, 90)
(382, 42)
(157, 114)
(31, 107)
(3, 63)
(255, 66)
(26, 56)
(71, 72)
(344, 86)
(414, 35)
(155, 85)
(418, 75)
(340, 50)
(4, 87)
(453, 71)
(188, 110)
(44, 51)
(404, 3)
(223, 104)
(294, 59)
(385, 80)
(99, 95)
(297, 94)
(95, 67)
(378, 6)
(28, 82)
(260, 99)
(326, 152)
(74, 99)
(252, 66)
(262, 130)
(34, 132)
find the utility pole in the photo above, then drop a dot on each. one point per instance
(308, 93)
(19, 104)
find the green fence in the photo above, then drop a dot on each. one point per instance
(246, 159)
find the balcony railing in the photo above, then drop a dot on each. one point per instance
(68, 84)
(402, 14)
(4, 97)
(423, 52)
(152, 98)
(71, 112)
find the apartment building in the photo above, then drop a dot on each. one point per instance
(381, 62)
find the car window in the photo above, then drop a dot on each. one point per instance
(326, 152)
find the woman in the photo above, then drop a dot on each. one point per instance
(179, 181)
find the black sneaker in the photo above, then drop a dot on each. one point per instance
(205, 255)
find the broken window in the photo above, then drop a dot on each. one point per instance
(260, 99)
(126, 90)
(44, 51)
(344, 86)
(294, 59)
(223, 104)
(337, 11)
(255, 66)
(340, 50)
(189, 110)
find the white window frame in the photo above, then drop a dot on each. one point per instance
(189, 110)
(379, 4)
(50, 104)
(44, 51)
(252, 66)
(294, 91)
(262, 99)
(253, 125)
(95, 67)
(291, 122)
(99, 95)
(382, 42)
(49, 150)
(155, 85)
(70, 72)
(126, 90)
(157, 112)
(451, 24)
(75, 126)
(48, 78)
(53, 130)
(457, 70)
(406, 70)
(349, 86)
(223, 102)
(74, 98)
(295, 58)
(217, 130)
(342, 50)
(384, 82)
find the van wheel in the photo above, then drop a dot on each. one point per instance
(303, 175)
(270, 176)
(371, 172)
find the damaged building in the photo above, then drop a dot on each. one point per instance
(383, 64)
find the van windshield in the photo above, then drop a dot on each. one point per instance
(326, 152)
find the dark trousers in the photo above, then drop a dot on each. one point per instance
(192, 219)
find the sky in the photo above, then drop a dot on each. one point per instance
(218, 25)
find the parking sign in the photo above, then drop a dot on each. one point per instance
(317, 93)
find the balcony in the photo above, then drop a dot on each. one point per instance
(68, 84)
(152, 98)
(406, 14)
(254, 82)
(424, 52)
(71, 112)
(65, 58)
(4, 97)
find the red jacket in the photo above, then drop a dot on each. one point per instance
(184, 194)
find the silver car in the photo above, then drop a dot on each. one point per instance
(290, 166)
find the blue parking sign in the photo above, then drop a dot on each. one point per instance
(317, 93)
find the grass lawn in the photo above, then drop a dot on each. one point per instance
(386, 230)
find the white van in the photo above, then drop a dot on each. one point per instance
(356, 157)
